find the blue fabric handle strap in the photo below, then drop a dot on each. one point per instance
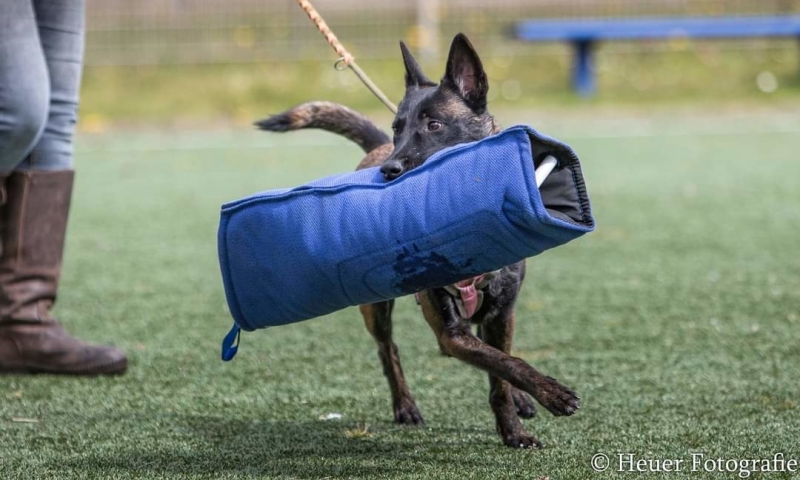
(230, 344)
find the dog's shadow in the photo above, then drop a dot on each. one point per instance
(208, 446)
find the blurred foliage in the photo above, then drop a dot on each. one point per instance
(662, 73)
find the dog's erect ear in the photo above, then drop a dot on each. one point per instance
(465, 73)
(414, 76)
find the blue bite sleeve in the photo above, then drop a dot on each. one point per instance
(350, 239)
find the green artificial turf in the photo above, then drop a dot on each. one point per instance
(677, 321)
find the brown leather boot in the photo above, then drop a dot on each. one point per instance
(33, 221)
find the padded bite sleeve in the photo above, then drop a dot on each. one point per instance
(291, 255)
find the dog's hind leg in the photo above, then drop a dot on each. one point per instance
(498, 332)
(523, 403)
(378, 319)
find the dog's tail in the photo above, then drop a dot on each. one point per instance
(331, 117)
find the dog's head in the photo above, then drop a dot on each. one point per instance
(433, 117)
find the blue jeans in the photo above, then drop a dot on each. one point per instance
(41, 58)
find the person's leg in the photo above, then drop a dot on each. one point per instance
(61, 27)
(24, 83)
(34, 218)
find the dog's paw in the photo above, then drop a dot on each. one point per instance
(523, 403)
(408, 414)
(523, 440)
(556, 398)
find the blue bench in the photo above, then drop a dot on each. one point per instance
(584, 33)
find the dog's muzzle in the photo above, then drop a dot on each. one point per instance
(392, 169)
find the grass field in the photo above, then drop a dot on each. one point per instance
(677, 321)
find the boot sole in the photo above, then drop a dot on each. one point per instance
(113, 368)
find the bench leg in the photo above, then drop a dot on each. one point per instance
(583, 77)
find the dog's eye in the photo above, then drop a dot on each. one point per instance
(434, 125)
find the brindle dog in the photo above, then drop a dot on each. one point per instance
(430, 118)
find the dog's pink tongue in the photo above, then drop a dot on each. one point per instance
(469, 296)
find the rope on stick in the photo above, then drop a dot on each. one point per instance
(344, 56)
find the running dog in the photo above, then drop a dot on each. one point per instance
(430, 118)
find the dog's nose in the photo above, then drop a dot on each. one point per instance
(391, 169)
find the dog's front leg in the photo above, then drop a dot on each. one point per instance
(456, 340)
(498, 332)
